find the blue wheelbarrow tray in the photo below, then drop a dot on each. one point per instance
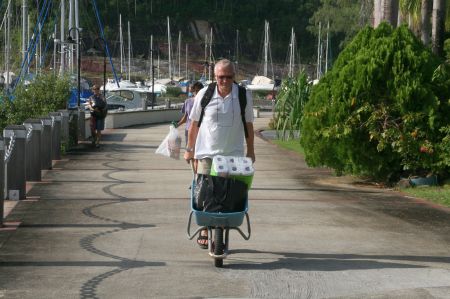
(232, 219)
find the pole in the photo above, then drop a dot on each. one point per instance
(78, 43)
(153, 81)
(77, 24)
(104, 71)
(79, 71)
(71, 52)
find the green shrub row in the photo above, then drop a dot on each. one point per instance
(47, 93)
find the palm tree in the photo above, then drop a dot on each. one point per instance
(438, 27)
(385, 10)
(376, 13)
(391, 12)
(425, 24)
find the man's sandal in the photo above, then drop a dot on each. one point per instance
(200, 238)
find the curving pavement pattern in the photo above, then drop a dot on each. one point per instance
(111, 223)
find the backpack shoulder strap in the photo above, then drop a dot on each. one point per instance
(243, 105)
(205, 100)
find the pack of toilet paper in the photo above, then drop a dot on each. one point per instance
(240, 168)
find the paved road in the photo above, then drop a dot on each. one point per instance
(111, 223)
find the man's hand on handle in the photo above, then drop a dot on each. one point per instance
(188, 156)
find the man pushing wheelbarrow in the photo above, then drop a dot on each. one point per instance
(222, 124)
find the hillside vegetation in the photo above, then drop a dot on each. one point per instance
(194, 18)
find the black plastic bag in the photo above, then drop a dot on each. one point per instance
(219, 194)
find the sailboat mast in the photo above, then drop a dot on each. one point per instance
(8, 45)
(170, 49)
(62, 34)
(266, 46)
(121, 44)
(39, 54)
(151, 57)
(24, 28)
(179, 54)
(159, 77)
(236, 53)
(54, 49)
(210, 54)
(186, 64)
(318, 52)
(28, 39)
(206, 56)
(292, 54)
(326, 48)
(129, 52)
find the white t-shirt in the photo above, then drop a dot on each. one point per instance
(221, 131)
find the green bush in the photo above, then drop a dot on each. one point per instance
(260, 94)
(382, 110)
(173, 91)
(47, 93)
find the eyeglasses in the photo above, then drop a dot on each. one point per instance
(95, 88)
(225, 77)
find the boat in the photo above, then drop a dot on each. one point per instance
(262, 82)
(129, 98)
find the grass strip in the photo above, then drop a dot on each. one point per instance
(436, 194)
(292, 144)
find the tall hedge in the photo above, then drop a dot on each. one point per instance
(383, 109)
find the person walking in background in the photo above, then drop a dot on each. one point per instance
(187, 107)
(98, 108)
(221, 130)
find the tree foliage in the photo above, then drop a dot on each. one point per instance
(382, 110)
(47, 93)
(346, 18)
(293, 95)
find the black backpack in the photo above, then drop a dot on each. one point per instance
(242, 103)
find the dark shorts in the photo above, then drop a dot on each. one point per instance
(97, 123)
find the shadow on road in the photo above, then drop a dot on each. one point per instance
(331, 262)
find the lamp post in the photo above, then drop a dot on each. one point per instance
(70, 40)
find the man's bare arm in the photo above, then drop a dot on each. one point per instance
(192, 137)
(250, 142)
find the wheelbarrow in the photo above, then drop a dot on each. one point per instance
(218, 225)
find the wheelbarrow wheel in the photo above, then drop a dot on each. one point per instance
(218, 246)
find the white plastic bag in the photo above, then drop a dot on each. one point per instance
(171, 145)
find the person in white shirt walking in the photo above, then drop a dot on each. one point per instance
(222, 129)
